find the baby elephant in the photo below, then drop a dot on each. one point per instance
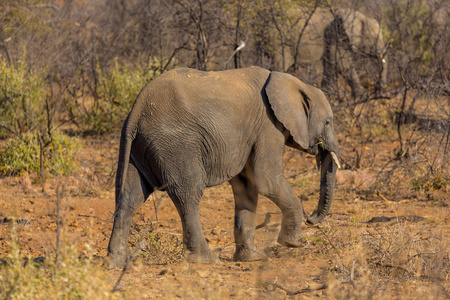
(190, 129)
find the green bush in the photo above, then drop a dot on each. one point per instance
(22, 98)
(114, 95)
(22, 155)
(62, 154)
(410, 27)
(430, 183)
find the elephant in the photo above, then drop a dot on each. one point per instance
(190, 129)
(339, 40)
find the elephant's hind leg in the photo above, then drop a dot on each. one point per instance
(134, 195)
(246, 200)
(187, 200)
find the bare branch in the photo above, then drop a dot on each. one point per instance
(299, 291)
(297, 45)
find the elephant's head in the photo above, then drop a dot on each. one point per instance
(305, 112)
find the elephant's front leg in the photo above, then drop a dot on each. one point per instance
(291, 208)
(246, 200)
(272, 184)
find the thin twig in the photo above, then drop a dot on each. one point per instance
(58, 219)
(352, 273)
(331, 243)
(297, 45)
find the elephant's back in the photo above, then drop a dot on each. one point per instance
(212, 100)
(312, 44)
(201, 114)
(231, 79)
(192, 90)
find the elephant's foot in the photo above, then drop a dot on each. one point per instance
(249, 254)
(291, 240)
(114, 261)
(203, 256)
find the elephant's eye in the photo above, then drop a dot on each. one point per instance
(327, 123)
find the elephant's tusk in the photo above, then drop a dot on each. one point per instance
(335, 159)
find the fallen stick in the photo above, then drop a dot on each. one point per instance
(386, 201)
(296, 292)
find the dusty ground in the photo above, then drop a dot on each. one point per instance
(404, 258)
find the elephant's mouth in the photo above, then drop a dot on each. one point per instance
(318, 148)
(313, 150)
(333, 156)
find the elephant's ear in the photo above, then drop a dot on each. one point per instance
(290, 100)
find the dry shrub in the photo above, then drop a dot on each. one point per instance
(401, 157)
(362, 179)
(160, 247)
(203, 282)
(373, 262)
(405, 254)
(421, 171)
(65, 277)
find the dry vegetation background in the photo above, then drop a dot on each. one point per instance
(70, 71)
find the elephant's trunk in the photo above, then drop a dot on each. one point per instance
(329, 164)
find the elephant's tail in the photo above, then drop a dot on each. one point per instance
(127, 136)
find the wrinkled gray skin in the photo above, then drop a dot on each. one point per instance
(334, 40)
(189, 130)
